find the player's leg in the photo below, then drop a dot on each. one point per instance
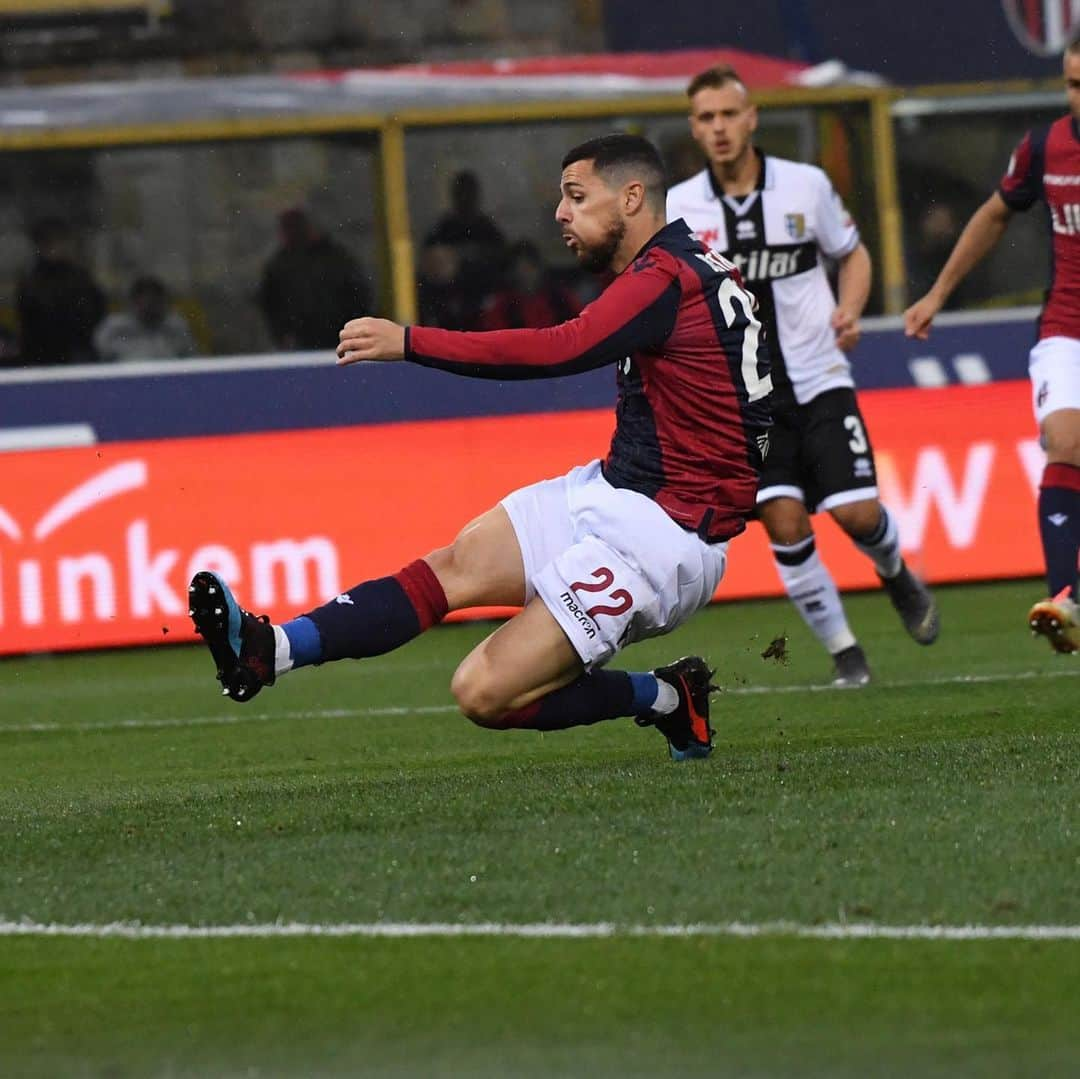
(483, 566)
(805, 577)
(1059, 500)
(1055, 377)
(845, 476)
(874, 531)
(1055, 373)
(528, 676)
(629, 572)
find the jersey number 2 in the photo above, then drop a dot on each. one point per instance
(604, 580)
(728, 295)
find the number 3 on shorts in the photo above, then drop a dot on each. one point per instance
(857, 442)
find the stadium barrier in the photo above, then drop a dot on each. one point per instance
(303, 478)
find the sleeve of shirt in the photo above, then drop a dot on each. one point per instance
(837, 233)
(636, 311)
(1021, 186)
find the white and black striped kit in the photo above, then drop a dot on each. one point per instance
(776, 235)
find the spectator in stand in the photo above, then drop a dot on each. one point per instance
(440, 294)
(479, 246)
(149, 330)
(57, 301)
(9, 347)
(310, 287)
(530, 298)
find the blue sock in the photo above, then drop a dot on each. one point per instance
(645, 690)
(1059, 527)
(304, 642)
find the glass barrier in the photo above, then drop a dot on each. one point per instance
(203, 216)
(503, 178)
(951, 155)
(259, 244)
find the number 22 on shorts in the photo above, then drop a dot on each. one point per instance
(605, 578)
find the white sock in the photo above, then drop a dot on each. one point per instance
(667, 698)
(883, 547)
(282, 652)
(810, 587)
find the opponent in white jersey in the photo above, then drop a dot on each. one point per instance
(777, 220)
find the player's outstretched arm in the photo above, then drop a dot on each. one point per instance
(370, 339)
(637, 310)
(980, 236)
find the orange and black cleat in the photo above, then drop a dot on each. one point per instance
(1058, 620)
(687, 729)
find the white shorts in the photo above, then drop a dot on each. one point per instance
(1054, 367)
(610, 564)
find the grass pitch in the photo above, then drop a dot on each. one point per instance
(945, 793)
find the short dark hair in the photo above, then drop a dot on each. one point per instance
(713, 78)
(1072, 42)
(623, 153)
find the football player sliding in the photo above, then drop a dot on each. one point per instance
(620, 548)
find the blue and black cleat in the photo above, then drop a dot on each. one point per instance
(242, 644)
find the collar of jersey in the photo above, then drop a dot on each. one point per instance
(765, 180)
(678, 227)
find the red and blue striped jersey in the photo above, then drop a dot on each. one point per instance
(692, 415)
(1046, 166)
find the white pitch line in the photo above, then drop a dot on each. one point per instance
(228, 720)
(544, 931)
(911, 683)
(448, 709)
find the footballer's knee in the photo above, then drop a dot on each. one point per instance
(785, 520)
(477, 695)
(858, 519)
(1061, 437)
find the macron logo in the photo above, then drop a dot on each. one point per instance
(1058, 519)
(343, 599)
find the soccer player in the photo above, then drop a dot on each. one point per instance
(614, 551)
(775, 219)
(1046, 166)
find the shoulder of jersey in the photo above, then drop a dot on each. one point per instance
(787, 171)
(687, 189)
(657, 258)
(1061, 126)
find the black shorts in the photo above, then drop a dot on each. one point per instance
(819, 453)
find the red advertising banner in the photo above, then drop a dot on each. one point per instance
(97, 543)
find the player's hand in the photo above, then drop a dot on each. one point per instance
(846, 327)
(370, 339)
(919, 317)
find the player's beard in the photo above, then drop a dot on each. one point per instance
(597, 259)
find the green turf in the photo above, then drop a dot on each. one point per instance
(945, 793)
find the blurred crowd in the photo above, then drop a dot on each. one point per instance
(310, 286)
(470, 278)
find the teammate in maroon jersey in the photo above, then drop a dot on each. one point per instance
(1046, 167)
(613, 552)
